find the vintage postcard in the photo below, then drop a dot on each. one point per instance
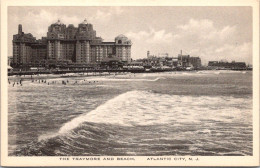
(129, 83)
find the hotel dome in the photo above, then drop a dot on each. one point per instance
(58, 23)
(84, 22)
(122, 39)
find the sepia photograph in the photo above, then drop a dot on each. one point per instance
(114, 83)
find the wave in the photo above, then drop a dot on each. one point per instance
(123, 79)
(144, 108)
(221, 72)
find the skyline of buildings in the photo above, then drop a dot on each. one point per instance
(181, 60)
(158, 29)
(68, 44)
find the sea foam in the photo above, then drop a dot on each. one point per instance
(137, 108)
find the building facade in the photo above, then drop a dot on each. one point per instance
(188, 61)
(195, 62)
(22, 47)
(68, 44)
(226, 65)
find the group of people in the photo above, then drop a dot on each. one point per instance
(17, 83)
(76, 82)
(63, 82)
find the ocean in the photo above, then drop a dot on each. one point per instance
(198, 113)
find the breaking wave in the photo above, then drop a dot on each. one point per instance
(136, 108)
(148, 123)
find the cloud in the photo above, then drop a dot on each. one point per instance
(239, 52)
(106, 14)
(156, 41)
(204, 39)
(152, 36)
(204, 31)
(100, 16)
(204, 24)
(197, 38)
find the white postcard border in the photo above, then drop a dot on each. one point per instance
(139, 160)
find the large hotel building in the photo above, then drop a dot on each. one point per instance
(68, 44)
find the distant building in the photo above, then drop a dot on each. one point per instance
(175, 62)
(184, 60)
(226, 65)
(188, 61)
(68, 44)
(22, 50)
(148, 54)
(163, 55)
(213, 63)
(163, 59)
(195, 62)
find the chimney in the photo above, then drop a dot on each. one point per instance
(148, 54)
(20, 29)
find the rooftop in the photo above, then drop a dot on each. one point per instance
(84, 22)
(121, 36)
(58, 22)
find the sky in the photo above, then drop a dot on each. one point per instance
(212, 33)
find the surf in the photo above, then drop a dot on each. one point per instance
(144, 108)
